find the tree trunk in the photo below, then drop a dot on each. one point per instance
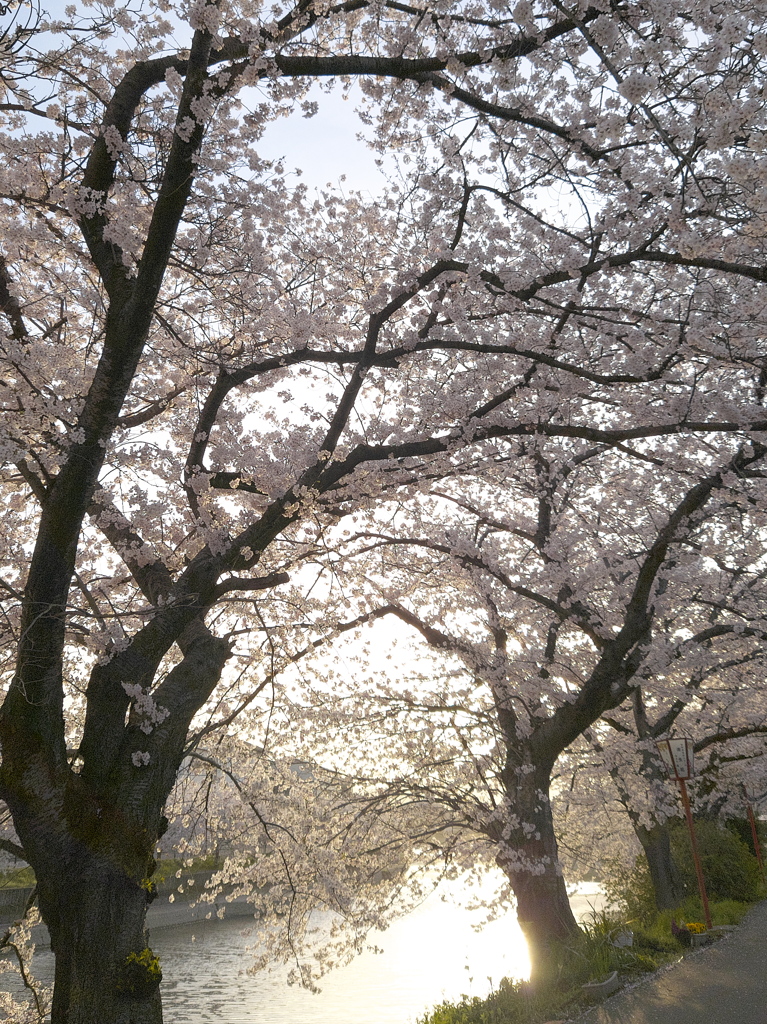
(90, 834)
(667, 883)
(92, 863)
(529, 857)
(96, 924)
(668, 887)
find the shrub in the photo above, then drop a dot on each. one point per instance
(630, 890)
(730, 869)
(731, 872)
(741, 827)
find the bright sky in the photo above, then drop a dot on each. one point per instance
(325, 147)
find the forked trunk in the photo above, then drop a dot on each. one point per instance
(90, 834)
(92, 862)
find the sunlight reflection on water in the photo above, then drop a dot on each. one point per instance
(431, 955)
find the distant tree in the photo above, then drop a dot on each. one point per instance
(714, 696)
(713, 692)
(559, 616)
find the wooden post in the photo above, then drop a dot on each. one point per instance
(695, 857)
(755, 836)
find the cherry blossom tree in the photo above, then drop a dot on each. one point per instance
(205, 369)
(722, 708)
(615, 802)
(323, 854)
(712, 689)
(559, 617)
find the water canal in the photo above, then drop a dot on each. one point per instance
(432, 954)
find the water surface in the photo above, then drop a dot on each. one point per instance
(432, 954)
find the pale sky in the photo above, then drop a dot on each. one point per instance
(326, 146)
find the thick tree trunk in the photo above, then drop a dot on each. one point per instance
(90, 835)
(529, 857)
(96, 924)
(94, 904)
(92, 862)
(668, 886)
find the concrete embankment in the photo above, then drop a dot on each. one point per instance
(170, 908)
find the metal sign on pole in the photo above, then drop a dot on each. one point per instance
(679, 758)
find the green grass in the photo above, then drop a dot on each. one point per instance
(166, 869)
(23, 878)
(722, 912)
(20, 878)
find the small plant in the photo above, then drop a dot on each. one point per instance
(141, 973)
(149, 888)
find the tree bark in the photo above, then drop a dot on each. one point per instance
(667, 883)
(99, 923)
(90, 837)
(92, 864)
(529, 857)
(668, 887)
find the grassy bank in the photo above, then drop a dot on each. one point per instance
(22, 878)
(17, 878)
(734, 884)
(591, 957)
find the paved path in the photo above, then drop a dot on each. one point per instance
(725, 983)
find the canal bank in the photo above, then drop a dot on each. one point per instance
(439, 951)
(171, 907)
